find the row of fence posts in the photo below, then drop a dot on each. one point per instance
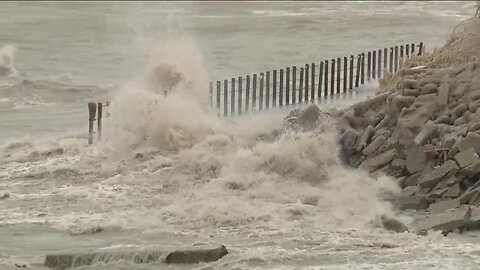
(283, 87)
(93, 108)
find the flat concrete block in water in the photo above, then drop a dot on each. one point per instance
(442, 206)
(446, 221)
(466, 157)
(411, 202)
(196, 255)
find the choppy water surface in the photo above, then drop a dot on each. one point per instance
(173, 174)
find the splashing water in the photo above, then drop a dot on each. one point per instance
(6, 61)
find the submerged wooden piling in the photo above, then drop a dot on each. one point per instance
(92, 110)
(99, 122)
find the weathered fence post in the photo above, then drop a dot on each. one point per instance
(402, 55)
(225, 98)
(262, 82)
(412, 46)
(390, 64)
(357, 72)
(247, 94)
(385, 57)
(379, 64)
(92, 110)
(254, 92)
(420, 48)
(280, 94)
(240, 94)
(396, 58)
(320, 77)
(312, 88)
(267, 91)
(374, 65)
(232, 98)
(332, 78)
(407, 50)
(294, 85)
(274, 83)
(287, 86)
(369, 65)
(325, 90)
(99, 121)
(210, 92)
(350, 82)
(300, 86)
(362, 70)
(307, 73)
(339, 66)
(345, 70)
(218, 97)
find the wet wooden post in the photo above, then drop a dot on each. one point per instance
(274, 83)
(362, 70)
(232, 98)
(402, 59)
(267, 91)
(407, 50)
(385, 57)
(225, 98)
(307, 73)
(420, 49)
(287, 86)
(300, 86)
(325, 89)
(396, 59)
(312, 87)
(345, 70)
(374, 65)
(210, 92)
(294, 84)
(247, 94)
(280, 93)
(332, 78)
(92, 110)
(99, 121)
(254, 92)
(350, 82)
(240, 95)
(412, 47)
(218, 96)
(320, 77)
(339, 67)
(379, 64)
(262, 82)
(390, 64)
(369, 66)
(357, 72)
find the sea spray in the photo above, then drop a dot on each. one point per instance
(6, 61)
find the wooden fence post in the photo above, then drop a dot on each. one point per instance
(99, 122)
(374, 65)
(274, 83)
(385, 58)
(369, 66)
(407, 50)
(218, 96)
(402, 55)
(300, 86)
(396, 58)
(210, 92)
(357, 72)
(412, 47)
(240, 95)
(345, 70)
(362, 70)
(350, 83)
(420, 49)
(294, 85)
(332, 78)
(262, 82)
(379, 64)
(225, 98)
(92, 110)
(267, 91)
(254, 92)
(287, 86)
(280, 94)
(390, 64)
(247, 94)
(320, 78)
(312, 76)
(339, 66)
(307, 73)
(232, 97)
(325, 90)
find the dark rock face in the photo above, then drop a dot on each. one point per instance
(191, 256)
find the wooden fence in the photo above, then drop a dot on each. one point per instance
(294, 85)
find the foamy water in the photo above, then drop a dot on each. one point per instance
(171, 173)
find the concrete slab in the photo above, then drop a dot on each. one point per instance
(411, 202)
(372, 164)
(442, 206)
(416, 159)
(443, 94)
(430, 180)
(466, 157)
(453, 192)
(472, 140)
(374, 146)
(446, 221)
